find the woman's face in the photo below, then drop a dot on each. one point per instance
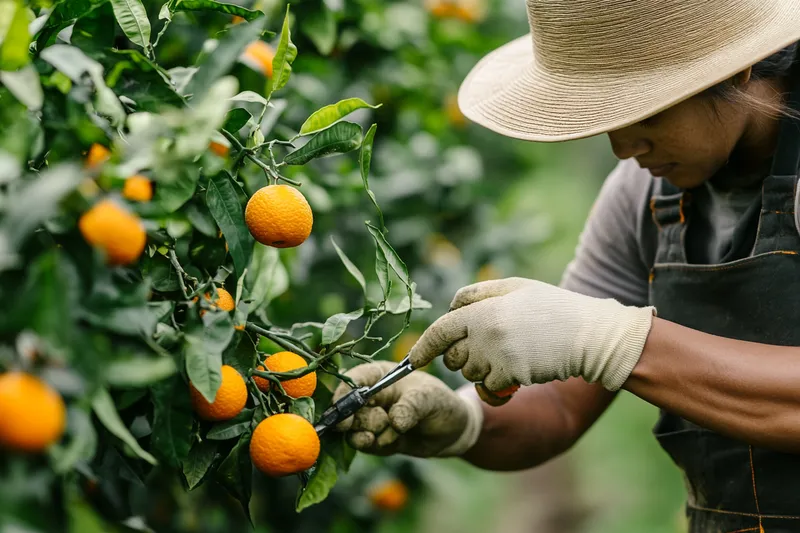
(691, 141)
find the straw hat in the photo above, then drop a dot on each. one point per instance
(592, 66)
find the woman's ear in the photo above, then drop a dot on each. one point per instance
(742, 77)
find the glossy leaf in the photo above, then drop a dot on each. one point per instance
(240, 353)
(14, 37)
(303, 407)
(284, 57)
(336, 325)
(172, 421)
(103, 407)
(364, 161)
(64, 14)
(139, 371)
(267, 278)
(132, 18)
(320, 27)
(392, 258)
(199, 461)
(319, 484)
(25, 86)
(324, 117)
(219, 62)
(382, 272)
(221, 7)
(223, 202)
(204, 343)
(353, 269)
(235, 473)
(82, 443)
(231, 428)
(342, 137)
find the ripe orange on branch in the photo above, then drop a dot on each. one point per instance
(98, 154)
(114, 230)
(390, 495)
(224, 300)
(32, 414)
(279, 216)
(230, 399)
(138, 189)
(259, 55)
(286, 362)
(284, 444)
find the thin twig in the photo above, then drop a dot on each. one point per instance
(280, 341)
(262, 399)
(341, 376)
(181, 273)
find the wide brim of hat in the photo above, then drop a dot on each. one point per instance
(509, 93)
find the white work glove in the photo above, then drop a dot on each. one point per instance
(519, 331)
(419, 415)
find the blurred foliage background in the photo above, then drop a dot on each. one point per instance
(462, 204)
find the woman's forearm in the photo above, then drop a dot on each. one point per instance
(539, 423)
(745, 390)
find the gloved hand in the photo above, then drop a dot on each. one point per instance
(518, 331)
(419, 415)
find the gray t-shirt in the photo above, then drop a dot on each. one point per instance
(618, 244)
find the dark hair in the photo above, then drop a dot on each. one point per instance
(776, 66)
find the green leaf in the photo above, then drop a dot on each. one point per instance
(335, 444)
(266, 278)
(226, 209)
(211, 5)
(324, 117)
(320, 27)
(320, 484)
(235, 473)
(353, 269)
(199, 461)
(364, 161)
(240, 353)
(284, 57)
(382, 272)
(103, 407)
(37, 201)
(132, 18)
(392, 259)
(398, 306)
(336, 325)
(303, 407)
(14, 37)
(219, 62)
(236, 119)
(342, 137)
(171, 195)
(133, 320)
(233, 427)
(64, 14)
(160, 273)
(205, 342)
(25, 86)
(172, 421)
(202, 220)
(139, 371)
(82, 443)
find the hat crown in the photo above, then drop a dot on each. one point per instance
(581, 36)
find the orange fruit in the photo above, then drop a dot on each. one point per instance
(33, 413)
(114, 230)
(98, 154)
(138, 189)
(219, 148)
(229, 401)
(508, 391)
(224, 300)
(464, 10)
(279, 216)
(237, 19)
(284, 444)
(286, 362)
(258, 56)
(390, 495)
(495, 398)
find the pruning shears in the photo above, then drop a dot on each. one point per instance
(358, 397)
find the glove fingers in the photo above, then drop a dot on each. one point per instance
(485, 289)
(372, 419)
(497, 380)
(361, 440)
(413, 407)
(387, 438)
(476, 368)
(455, 357)
(448, 329)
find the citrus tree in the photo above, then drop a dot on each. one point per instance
(192, 250)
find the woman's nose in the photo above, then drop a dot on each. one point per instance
(626, 144)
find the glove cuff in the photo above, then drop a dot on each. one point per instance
(473, 427)
(630, 347)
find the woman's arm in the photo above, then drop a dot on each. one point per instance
(745, 390)
(539, 423)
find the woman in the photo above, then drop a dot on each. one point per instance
(685, 284)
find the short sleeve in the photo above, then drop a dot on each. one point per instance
(617, 246)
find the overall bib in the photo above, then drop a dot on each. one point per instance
(753, 295)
